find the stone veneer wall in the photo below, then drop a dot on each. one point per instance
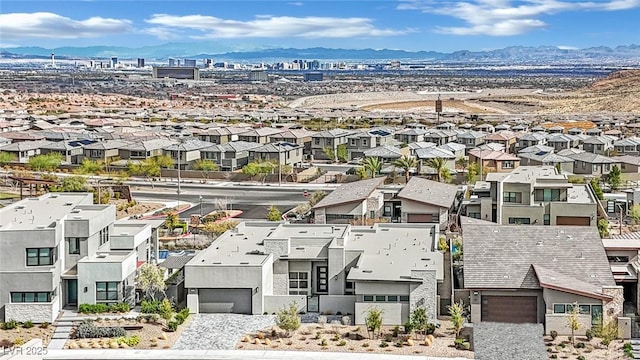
(280, 277)
(36, 312)
(277, 247)
(424, 294)
(612, 309)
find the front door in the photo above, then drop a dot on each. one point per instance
(72, 292)
(322, 278)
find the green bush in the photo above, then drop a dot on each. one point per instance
(27, 324)
(580, 345)
(553, 334)
(150, 306)
(589, 334)
(9, 325)
(342, 343)
(120, 308)
(172, 326)
(88, 330)
(182, 316)
(129, 340)
(44, 325)
(93, 308)
(384, 344)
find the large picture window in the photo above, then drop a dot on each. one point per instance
(107, 291)
(298, 283)
(40, 256)
(28, 297)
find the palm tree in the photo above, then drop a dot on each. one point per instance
(440, 166)
(406, 163)
(373, 165)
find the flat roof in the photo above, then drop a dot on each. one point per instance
(123, 229)
(107, 257)
(579, 194)
(43, 211)
(391, 251)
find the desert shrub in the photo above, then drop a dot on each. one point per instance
(323, 343)
(318, 335)
(150, 306)
(120, 308)
(166, 309)
(395, 331)
(172, 326)
(44, 325)
(335, 337)
(342, 343)
(129, 340)
(93, 308)
(287, 318)
(365, 344)
(588, 334)
(373, 320)
(9, 325)
(384, 344)
(553, 334)
(18, 341)
(88, 330)
(182, 316)
(27, 324)
(580, 345)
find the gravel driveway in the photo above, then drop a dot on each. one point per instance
(220, 331)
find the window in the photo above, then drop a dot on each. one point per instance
(548, 195)
(381, 298)
(22, 297)
(559, 308)
(475, 215)
(507, 164)
(546, 219)
(298, 280)
(107, 291)
(618, 259)
(585, 309)
(316, 141)
(352, 142)
(74, 245)
(372, 214)
(392, 298)
(40, 256)
(104, 236)
(368, 298)
(511, 197)
(349, 288)
(404, 298)
(386, 211)
(519, 221)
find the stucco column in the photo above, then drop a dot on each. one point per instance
(612, 309)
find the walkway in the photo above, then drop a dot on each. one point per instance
(64, 323)
(226, 355)
(220, 331)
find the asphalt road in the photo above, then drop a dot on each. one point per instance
(253, 202)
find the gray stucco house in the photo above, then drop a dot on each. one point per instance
(259, 267)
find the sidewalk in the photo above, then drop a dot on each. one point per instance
(226, 355)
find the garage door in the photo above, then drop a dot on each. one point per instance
(573, 220)
(510, 309)
(236, 301)
(419, 218)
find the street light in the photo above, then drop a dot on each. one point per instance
(99, 188)
(200, 197)
(280, 164)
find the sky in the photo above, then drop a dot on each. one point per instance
(438, 25)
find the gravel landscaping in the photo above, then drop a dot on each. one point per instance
(220, 331)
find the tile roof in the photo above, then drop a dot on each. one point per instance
(501, 135)
(384, 151)
(492, 155)
(350, 192)
(627, 159)
(453, 147)
(536, 149)
(432, 152)
(573, 251)
(591, 158)
(429, 192)
(558, 281)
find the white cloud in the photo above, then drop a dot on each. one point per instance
(53, 26)
(268, 26)
(297, 3)
(507, 17)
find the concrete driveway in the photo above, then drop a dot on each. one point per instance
(220, 331)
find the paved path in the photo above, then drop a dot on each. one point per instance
(226, 355)
(220, 331)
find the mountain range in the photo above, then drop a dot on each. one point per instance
(510, 55)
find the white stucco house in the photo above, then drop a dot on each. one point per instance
(260, 266)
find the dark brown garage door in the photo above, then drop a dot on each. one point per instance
(510, 309)
(419, 218)
(573, 220)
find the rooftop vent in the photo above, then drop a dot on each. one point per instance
(68, 204)
(101, 256)
(367, 271)
(216, 262)
(244, 263)
(19, 207)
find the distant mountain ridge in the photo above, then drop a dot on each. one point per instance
(510, 55)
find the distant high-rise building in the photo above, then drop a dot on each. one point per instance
(189, 63)
(258, 75)
(176, 72)
(114, 61)
(140, 63)
(172, 62)
(53, 60)
(178, 62)
(208, 63)
(313, 76)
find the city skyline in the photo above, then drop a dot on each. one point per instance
(248, 25)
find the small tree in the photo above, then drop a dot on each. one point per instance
(406, 163)
(287, 318)
(329, 153)
(615, 178)
(573, 322)
(205, 166)
(419, 320)
(151, 281)
(342, 153)
(215, 228)
(597, 189)
(166, 310)
(45, 162)
(609, 332)
(172, 220)
(373, 165)
(72, 184)
(603, 228)
(373, 321)
(315, 197)
(274, 214)
(472, 173)
(456, 311)
(634, 214)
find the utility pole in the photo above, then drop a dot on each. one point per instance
(279, 164)
(179, 188)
